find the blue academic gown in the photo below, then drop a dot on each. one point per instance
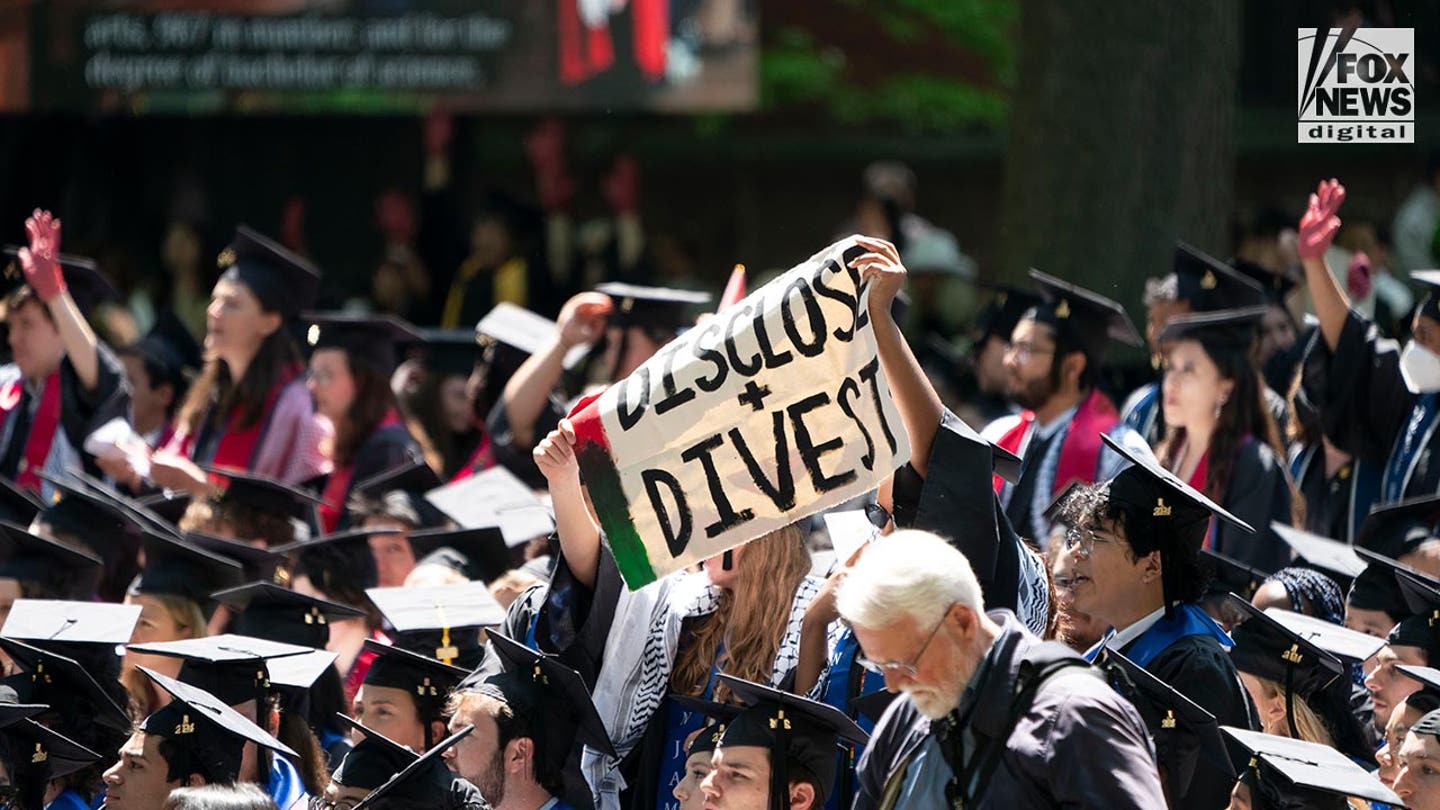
(70, 800)
(285, 787)
(845, 681)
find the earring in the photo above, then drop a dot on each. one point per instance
(1220, 403)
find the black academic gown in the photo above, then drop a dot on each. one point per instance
(515, 456)
(81, 411)
(1335, 505)
(387, 448)
(1367, 411)
(1258, 493)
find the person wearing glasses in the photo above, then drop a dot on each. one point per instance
(1135, 562)
(989, 716)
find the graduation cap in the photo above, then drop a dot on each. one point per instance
(1276, 285)
(373, 760)
(170, 349)
(872, 707)
(366, 339)
(406, 484)
(170, 506)
(1181, 729)
(260, 493)
(53, 621)
(30, 558)
(39, 755)
(344, 556)
(441, 621)
(18, 505)
(478, 554)
(1298, 775)
(849, 530)
(1162, 513)
(1232, 329)
(795, 729)
(1377, 587)
(451, 352)
(652, 307)
(80, 512)
(1232, 576)
(495, 497)
(230, 667)
(553, 698)
(209, 734)
(256, 562)
(1081, 318)
(422, 780)
(999, 316)
(69, 689)
(1268, 649)
(422, 676)
(1350, 646)
(1209, 284)
(1330, 556)
(87, 285)
(1395, 529)
(284, 281)
(1422, 628)
(1429, 677)
(271, 612)
(177, 568)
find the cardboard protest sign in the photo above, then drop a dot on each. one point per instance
(772, 410)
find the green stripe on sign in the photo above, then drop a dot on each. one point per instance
(603, 481)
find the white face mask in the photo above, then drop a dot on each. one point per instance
(1421, 368)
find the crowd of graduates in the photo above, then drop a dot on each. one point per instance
(320, 559)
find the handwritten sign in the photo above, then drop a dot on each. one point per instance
(772, 410)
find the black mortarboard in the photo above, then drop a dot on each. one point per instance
(271, 612)
(40, 755)
(1209, 284)
(1232, 576)
(85, 515)
(1428, 726)
(999, 316)
(652, 307)
(1268, 649)
(1422, 596)
(451, 352)
(1275, 285)
(175, 567)
(170, 506)
(1162, 513)
(371, 340)
(516, 328)
(88, 286)
(1299, 775)
(1081, 319)
(207, 732)
(483, 555)
(495, 497)
(421, 781)
(1181, 730)
(170, 349)
(1395, 529)
(283, 281)
(407, 482)
(1348, 645)
(230, 667)
(344, 555)
(442, 621)
(425, 678)
(1322, 553)
(261, 493)
(256, 562)
(373, 760)
(18, 505)
(69, 689)
(1376, 588)
(810, 737)
(872, 706)
(1225, 329)
(554, 699)
(34, 559)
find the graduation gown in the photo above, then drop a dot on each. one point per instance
(512, 455)
(1258, 493)
(285, 443)
(388, 447)
(43, 426)
(1335, 505)
(1367, 411)
(1078, 744)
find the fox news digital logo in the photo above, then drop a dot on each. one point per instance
(1357, 85)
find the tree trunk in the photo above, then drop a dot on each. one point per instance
(1120, 140)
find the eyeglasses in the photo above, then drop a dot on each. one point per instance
(322, 803)
(1026, 350)
(1082, 542)
(877, 515)
(909, 669)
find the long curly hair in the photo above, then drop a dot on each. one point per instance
(1244, 413)
(751, 618)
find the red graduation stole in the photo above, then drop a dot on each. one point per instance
(42, 428)
(1080, 451)
(584, 51)
(333, 498)
(237, 445)
(481, 459)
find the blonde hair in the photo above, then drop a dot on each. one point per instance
(189, 623)
(1307, 723)
(751, 619)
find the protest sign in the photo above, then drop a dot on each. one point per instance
(768, 412)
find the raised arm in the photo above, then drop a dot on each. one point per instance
(579, 536)
(919, 404)
(1317, 229)
(582, 321)
(41, 263)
